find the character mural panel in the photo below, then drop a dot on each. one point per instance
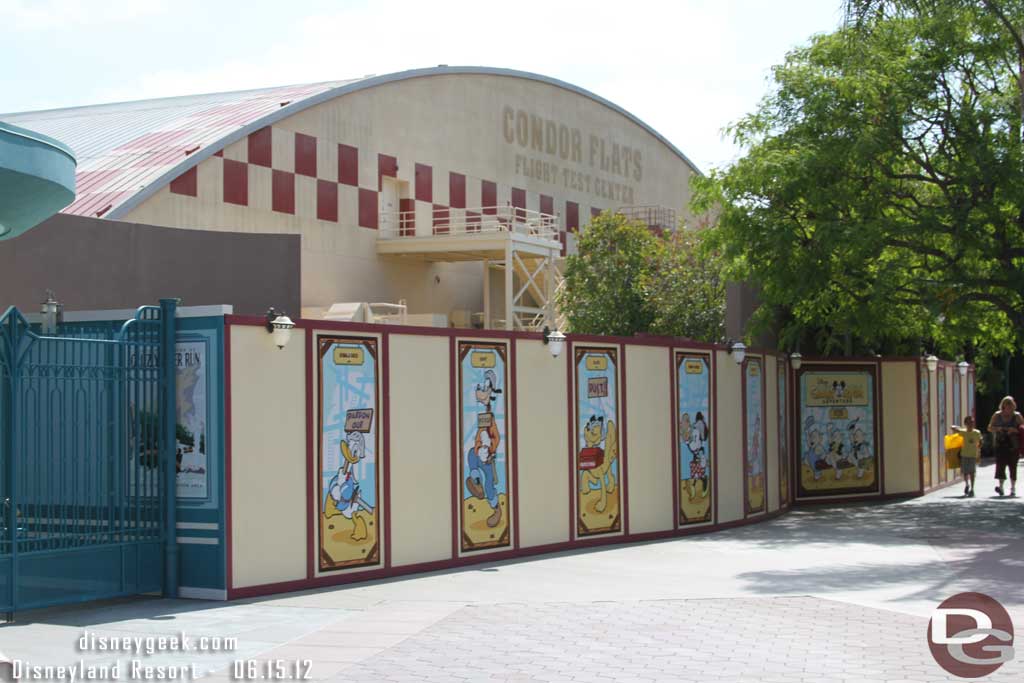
(970, 395)
(783, 405)
(693, 435)
(348, 452)
(598, 494)
(838, 444)
(753, 424)
(926, 427)
(957, 410)
(484, 454)
(941, 414)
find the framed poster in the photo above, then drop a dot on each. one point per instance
(484, 449)
(754, 436)
(596, 440)
(694, 442)
(783, 410)
(839, 444)
(958, 413)
(192, 438)
(348, 452)
(191, 429)
(926, 425)
(970, 394)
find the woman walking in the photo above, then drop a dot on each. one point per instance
(1006, 440)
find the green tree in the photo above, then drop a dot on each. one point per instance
(606, 282)
(881, 194)
(627, 280)
(686, 288)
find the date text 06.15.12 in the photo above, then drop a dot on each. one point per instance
(272, 670)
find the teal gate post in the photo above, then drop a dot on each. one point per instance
(87, 457)
(168, 454)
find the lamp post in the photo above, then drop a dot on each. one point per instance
(932, 362)
(962, 368)
(796, 360)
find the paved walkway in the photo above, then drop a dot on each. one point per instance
(824, 594)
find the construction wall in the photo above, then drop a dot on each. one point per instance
(369, 451)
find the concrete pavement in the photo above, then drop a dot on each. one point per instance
(838, 593)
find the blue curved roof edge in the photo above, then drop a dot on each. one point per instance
(296, 107)
(39, 137)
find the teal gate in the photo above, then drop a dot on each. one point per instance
(86, 460)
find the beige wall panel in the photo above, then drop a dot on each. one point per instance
(260, 188)
(441, 187)
(542, 448)
(771, 418)
(209, 182)
(474, 189)
(649, 438)
(944, 428)
(729, 453)
(327, 161)
(268, 465)
(305, 199)
(899, 427)
(238, 150)
(282, 142)
(424, 219)
(457, 123)
(421, 453)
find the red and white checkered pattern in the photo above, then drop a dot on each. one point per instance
(330, 181)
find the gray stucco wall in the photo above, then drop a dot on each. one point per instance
(92, 263)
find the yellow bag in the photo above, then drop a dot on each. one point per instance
(953, 443)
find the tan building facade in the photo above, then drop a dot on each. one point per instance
(425, 153)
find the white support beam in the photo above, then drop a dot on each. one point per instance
(487, 294)
(509, 314)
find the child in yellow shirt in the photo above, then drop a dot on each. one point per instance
(969, 453)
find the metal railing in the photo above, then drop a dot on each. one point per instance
(485, 219)
(656, 218)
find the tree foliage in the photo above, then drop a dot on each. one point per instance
(627, 280)
(881, 193)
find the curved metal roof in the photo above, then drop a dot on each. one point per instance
(127, 151)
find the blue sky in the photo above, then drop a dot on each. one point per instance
(688, 67)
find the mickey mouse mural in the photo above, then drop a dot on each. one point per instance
(838, 439)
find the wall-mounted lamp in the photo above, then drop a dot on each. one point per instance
(962, 367)
(796, 360)
(53, 314)
(554, 340)
(280, 326)
(931, 361)
(738, 350)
